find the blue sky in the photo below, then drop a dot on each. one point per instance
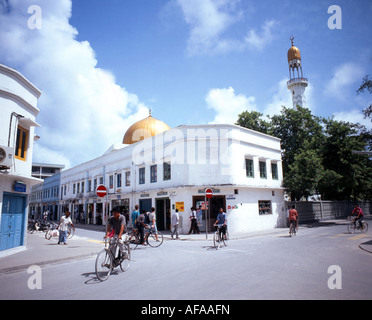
(102, 65)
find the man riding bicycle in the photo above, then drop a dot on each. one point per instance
(293, 215)
(358, 212)
(118, 225)
(221, 221)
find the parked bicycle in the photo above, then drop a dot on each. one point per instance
(37, 225)
(219, 238)
(150, 238)
(355, 225)
(110, 258)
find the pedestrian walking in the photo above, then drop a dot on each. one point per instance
(134, 216)
(152, 222)
(141, 226)
(175, 220)
(194, 225)
(63, 226)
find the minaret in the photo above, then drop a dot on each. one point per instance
(297, 82)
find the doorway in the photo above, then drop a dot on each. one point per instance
(163, 216)
(145, 204)
(216, 202)
(13, 219)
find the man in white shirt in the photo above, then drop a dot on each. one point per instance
(175, 221)
(63, 226)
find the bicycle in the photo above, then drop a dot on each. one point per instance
(218, 240)
(292, 228)
(110, 258)
(353, 226)
(54, 232)
(150, 238)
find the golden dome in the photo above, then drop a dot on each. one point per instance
(293, 52)
(144, 129)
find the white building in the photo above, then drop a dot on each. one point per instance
(171, 168)
(18, 107)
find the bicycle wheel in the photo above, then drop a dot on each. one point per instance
(364, 227)
(48, 235)
(104, 265)
(151, 239)
(216, 240)
(133, 241)
(225, 239)
(292, 230)
(70, 233)
(351, 227)
(125, 258)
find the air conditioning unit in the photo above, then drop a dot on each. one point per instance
(6, 157)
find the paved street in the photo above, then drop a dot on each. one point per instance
(266, 266)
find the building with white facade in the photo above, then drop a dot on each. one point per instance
(18, 107)
(171, 168)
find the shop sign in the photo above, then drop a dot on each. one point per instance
(180, 206)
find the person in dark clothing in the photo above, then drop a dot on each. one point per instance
(194, 225)
(141, 226)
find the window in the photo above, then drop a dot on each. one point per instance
(141, 175)
(127, 178)
(82, 187)
(100, 180)
(95, 184)
(111, 182)
(78, 188)
(263, 170)
(21, 144)
(73, 189)
(154, 173)
(166, 171)
(249, 168)
(89, 185)
(274, 171)
(264, 207)
(118, 180)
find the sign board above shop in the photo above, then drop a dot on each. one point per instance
(19, 186)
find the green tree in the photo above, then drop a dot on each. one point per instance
(253, 120)
(300, 132)
(349, 175)
(317, 153)
(304, 173)
(366, 85)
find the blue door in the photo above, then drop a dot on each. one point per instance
(13, 219)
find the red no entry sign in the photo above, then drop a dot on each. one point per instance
(101, 191)
(208, 193)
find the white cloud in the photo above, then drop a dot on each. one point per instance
(255, 41)
(228, 105)
(353, 116)
(344, 79)
(210, 19)
(82, 109)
